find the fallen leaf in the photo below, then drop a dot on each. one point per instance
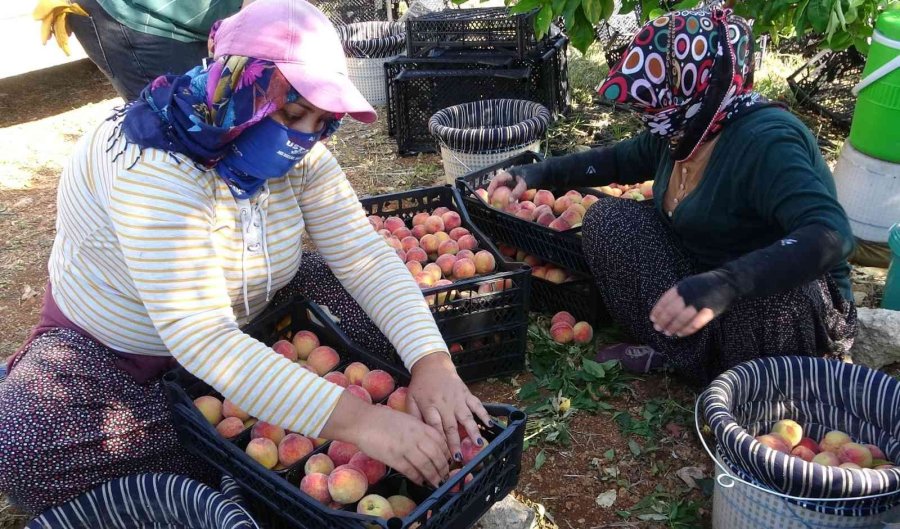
(690, 475)
(28, 293)
(606, 499)
(652, 517)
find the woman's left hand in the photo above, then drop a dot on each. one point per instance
(440, 398)
(673, 317)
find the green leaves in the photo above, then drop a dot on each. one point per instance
(542, 21)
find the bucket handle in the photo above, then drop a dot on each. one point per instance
(727, 480)
(886, 68)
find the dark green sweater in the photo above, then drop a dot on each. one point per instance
(766, 178)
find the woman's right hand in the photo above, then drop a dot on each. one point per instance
(505, 178)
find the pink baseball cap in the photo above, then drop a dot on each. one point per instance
(303, 44)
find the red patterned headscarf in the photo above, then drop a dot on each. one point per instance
(687, 73)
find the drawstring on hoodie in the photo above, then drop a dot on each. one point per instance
(249, 223)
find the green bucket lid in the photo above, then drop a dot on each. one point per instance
(888, 24)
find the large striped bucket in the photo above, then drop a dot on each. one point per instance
(759, 488)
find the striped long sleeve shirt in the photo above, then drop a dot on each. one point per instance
(158, 258)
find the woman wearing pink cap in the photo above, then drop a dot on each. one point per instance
(178, 221)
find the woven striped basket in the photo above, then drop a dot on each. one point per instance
(367, 75)
(869, 190)
(758, 487)
(367, 46)
(483, 133)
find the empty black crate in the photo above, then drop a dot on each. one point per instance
(492, 28)
(419, 87)
(496, 353)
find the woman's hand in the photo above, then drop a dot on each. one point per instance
(504, 178)
(440, 398)
(673, 317)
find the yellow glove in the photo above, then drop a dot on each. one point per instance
(52, 14)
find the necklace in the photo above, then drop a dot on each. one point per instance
(689, 173)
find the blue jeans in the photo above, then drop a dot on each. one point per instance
(131, 59)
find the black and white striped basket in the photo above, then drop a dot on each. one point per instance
(367, 46)
(482, 133)
(759, 487)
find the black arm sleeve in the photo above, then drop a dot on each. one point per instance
(802, 256)
(596, 167)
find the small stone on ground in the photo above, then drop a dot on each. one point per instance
(878, 342)
(508, 513)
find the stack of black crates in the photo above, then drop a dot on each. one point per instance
(460, 55)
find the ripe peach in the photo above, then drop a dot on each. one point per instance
(876, 452)
(379, 384)
(501, 197)
(375, 505)
(417, 254)
(574, 196)
(376, 222)
(384, 234)
(803, 453)
(316, 485)
(409, 243)
(789, 430)
(318, 463)
(402, 255)
(544, 197)
(419, 231)
(588, 201)
(560, 225)
(449, 247)
(336, 377)
(541, 210)
(435, 270)
(573, 216)
(434, 224)
(465, 254)
(646, 188)
(539, 271)
(848, 465)
(250, 422)
(483, 195)
(304, 342)
(564, 317)
(360, 392)
(210, 407)
(506, 250)
(424, 279)
(459, 486)
(319, 441)
(468, 242)
(402, 233)
(440, 211)
(525, 214)
(584, 333)
(833, 440)
(775, 442)
(393, 224)
(267, 430)
(373, 469)
(355, 372)
(401, 505)
(562, 333)
(263, 451)
(394, 243)
(293, 448)
(855, 453)
(458, 232)
(414, 267)
(546, 219)
(463, 269)
(469, 449)
(347, 485)
(445, 262)
(430, 243)
(341, 452)
(810, 444)
(323, 359)
(485, 262)
(442, 236)
(420, 218)
(451, 220)
(230, 409)
(561, 204)
(556, 275)
(230, 427)
(532, 260)
(512, 208)
(528, 195)
(884, 467)
(397, 399)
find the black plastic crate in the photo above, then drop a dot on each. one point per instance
(562, 248)
(825, 83)
(486, 28)
(278, 503)
(419, 87)
(471, 304)
(351, 11)
(579, 297)
(497, 353)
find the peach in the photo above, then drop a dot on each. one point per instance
(810, 444)
(318, 463)
(501, 198)
(420, 218)
(532, 260)
(879, 462)
(402, 233)
(528, 195)
(430, 243)
(394, 243)
(316, 485)
(347, 485)
(305, 342)
(789, 430)
(833, 440)
(546, 219)
(588, 201)
(507, 251)
(414, 267)
(884, 467)
(485, 262)
(417, 254)
(458, 232)
(560, 225)
(512, 208)
(527, 205)
(401, 505)
(355, 372)
(373, 469)
(267, 430)
(449, 247)
(250, 422)
(341, 452)
(561, 204)
(848, 465)
(876, 452)
(402, 255)
(464, 268)
(230, 409)
(323, 359)
(442, 236)
(572, 216)
(319, 441)
(376, 222)
(434, 270)
(419, 231)
(440, 211)
(539, 271)
(384, 234)
(285, 349)
(544, 197)
(855, 453)
(465, 254)
(574, 196)
(210, 407)
(263, 451)
(562, 333)
(455, 348)
(584, 333)
(525, 214)
(540, 210)
(375, 505)
(483, 195)
(775, 442)
(434, 224)
(445, 262)
(360, 392)
(459, 486)
(293, 448)
(646, 188)
(379, 384)
(803, 453)
(468, 242)
(556, 275)
(397, 399)
(230, 427)
(563, 316)
(409, 243)
(336, 377)
(424, 279)
(393, 224)
(451, 220)
(470, 449)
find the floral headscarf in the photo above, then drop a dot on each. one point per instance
(684, 79)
